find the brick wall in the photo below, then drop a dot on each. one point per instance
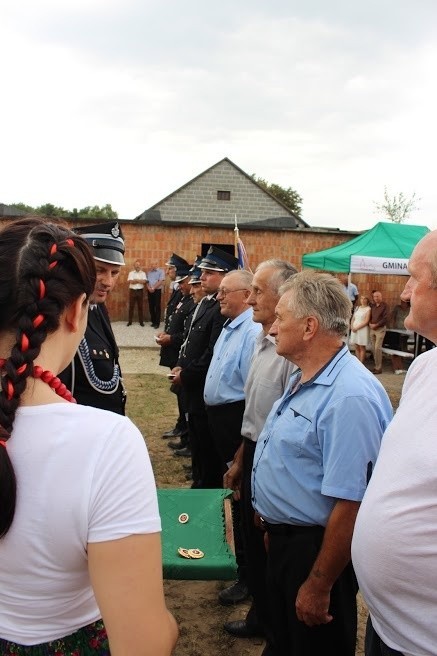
(148, 243)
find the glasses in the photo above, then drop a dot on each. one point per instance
(224, 292)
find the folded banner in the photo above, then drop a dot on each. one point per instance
(384, 265)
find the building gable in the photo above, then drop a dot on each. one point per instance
(217, 196)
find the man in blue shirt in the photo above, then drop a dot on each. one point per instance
(229, 366)
(155, 283)
(224, 389)
(312, 463)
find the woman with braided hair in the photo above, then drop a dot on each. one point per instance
(80, 553)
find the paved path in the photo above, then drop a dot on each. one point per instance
(134, 336)
(139, 353)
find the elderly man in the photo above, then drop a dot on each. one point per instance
(311, 467)
(94, 376)
(193, 362)
(229, 366)
(395, 541)
(224, 393)
(268, 377)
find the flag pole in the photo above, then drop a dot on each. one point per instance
(236, 236)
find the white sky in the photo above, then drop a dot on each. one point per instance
(124, 101)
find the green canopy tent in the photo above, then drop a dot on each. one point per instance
(384, 249)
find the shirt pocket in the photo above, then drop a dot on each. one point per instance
(296, 434)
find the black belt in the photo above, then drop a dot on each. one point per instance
(289, 529)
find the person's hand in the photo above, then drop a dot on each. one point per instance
(176, 371)
(163, 339)
(232, 479)
(312, 602)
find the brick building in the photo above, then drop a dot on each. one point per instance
(202, 212)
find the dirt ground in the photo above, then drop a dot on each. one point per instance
(194, 603)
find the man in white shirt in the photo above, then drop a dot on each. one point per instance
(394, 547)
(137, 280)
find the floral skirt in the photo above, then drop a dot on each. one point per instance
(91, 640)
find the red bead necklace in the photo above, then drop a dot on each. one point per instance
(53, 381)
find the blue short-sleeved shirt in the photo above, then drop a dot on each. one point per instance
(231, 360)
(320, 443)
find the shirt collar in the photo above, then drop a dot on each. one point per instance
(329, 372)
(234, 323)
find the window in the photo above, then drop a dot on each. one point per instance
(223, 195)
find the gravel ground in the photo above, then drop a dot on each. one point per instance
(139, 353)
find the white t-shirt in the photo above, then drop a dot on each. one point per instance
(137, 279)
(394, 547)
(83, 475)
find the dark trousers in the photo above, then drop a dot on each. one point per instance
(206, 464)
(254, 548)
(154, 299)
(289, 561)
(136, 298)
(374, 646)
(225, 427)
(181, 422)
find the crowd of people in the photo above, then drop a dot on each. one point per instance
(330, 492)
(373, 326)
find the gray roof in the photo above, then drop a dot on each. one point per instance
(152, 215)
(10, 210)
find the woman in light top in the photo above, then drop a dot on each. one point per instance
(80, 551)
(360, 331)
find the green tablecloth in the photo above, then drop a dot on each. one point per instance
(205, 530)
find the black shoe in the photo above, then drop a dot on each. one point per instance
(129, 324)
(174, 432)
(237, 592)
(185, 452)
(153, 325)
(177, 445)
(240, 629)
(142, 324)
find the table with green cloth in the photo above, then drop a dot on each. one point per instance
(205, 530)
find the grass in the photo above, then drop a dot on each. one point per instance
(153, 408)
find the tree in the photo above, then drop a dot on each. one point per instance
(289, 197)
(397, 208)
(96, 212)
(89, 212)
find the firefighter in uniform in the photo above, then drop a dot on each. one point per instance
(94, 376)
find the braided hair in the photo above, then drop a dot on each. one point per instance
(44, 267)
